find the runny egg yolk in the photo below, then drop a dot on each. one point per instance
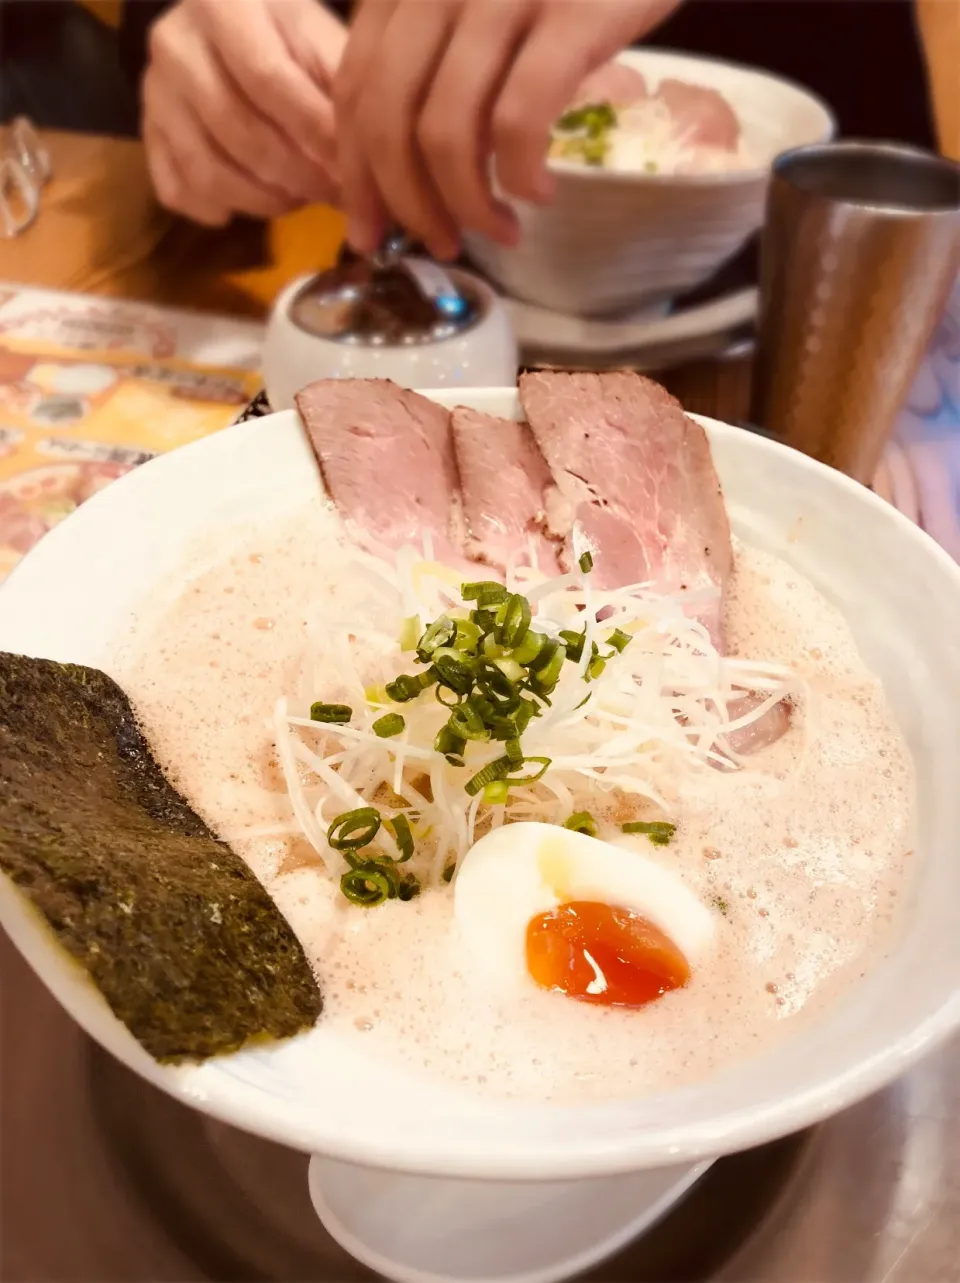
(598, 953)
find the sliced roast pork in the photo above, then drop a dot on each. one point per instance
(637, 475)
(703, 117)
(504, 479)
(615, 83)
(767, 729)
(387, 460)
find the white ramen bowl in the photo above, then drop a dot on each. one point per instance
(72, 596)
(616, 241)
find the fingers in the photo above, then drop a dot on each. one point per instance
(192, 176)
(453, 130)
(189, 71)
(172, 190)
(249, 43)
(410, 50)
(429, 89)
(542, 80)
(366, 215)
(570, 39)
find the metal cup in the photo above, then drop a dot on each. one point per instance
(859, 252)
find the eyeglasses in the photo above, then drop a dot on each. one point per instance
(24, 168)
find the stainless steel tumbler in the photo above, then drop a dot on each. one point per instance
(859, 252)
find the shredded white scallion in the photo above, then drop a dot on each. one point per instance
(656, 712)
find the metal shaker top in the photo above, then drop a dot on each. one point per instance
(390, 300)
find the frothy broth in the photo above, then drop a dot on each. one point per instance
(804, 855)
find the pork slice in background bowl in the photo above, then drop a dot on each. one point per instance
(615, 239)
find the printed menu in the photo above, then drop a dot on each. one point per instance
(92, 387)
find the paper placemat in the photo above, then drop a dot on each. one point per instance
(91, 387)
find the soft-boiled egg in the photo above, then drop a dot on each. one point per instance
(571, 913)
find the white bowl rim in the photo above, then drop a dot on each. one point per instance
(734, 1130)
(633, 58)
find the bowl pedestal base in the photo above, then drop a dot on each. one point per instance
(421, 1229)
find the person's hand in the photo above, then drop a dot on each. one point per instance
(429, 90)
(237, 116)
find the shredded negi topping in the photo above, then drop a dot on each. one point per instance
(485, 703)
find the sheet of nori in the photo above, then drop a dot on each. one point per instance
(178, 935)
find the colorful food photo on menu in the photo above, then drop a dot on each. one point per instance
(33, 502)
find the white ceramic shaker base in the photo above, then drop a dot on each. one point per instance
(415, 1229)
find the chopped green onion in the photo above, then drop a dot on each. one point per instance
(491, 597)
(594, 150)
(619, 640)
(466, 722)
(368, 885)
(389, 725)
(400, 828)
(373, 876)
(447, 697)
(545, 655)
(546, 678)
(510, 669)
(505, 728)
(593, 117)
(406, 687)
(586, 562)
(498, 688)
(485, 620)
(516, 620)
(574, 644)
(514, 752)
(595, 668)
(529, 648)
(440, 633)
(492, 648)
(497, 793)
(354, 829)
(498, 769)
(468, 635)
(658, 831)
(410, 633)
(453, 671)
(450, 744)
(331, 713)
(474, 591)
(582, 822)
(537, 775)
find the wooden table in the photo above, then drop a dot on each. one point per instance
(101, 231)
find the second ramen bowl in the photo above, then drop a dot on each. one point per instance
(620, 242)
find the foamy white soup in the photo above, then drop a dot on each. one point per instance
(803, 854)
